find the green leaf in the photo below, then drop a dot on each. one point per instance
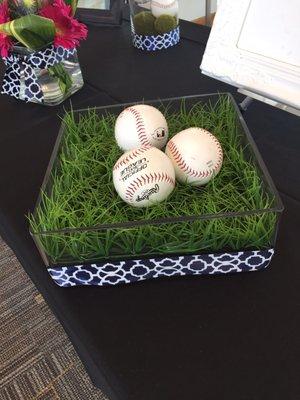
(32, 31)
(64, 79)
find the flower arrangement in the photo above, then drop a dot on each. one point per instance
(46, 28)
(36, 23)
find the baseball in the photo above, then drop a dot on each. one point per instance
(144, 176)
(162, 7)
(139, 126)
(196, 155)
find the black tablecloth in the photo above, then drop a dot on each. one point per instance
(210, 338)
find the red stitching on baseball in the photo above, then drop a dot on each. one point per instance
(164, 6)
(186, 168)
(149, 178)
(130, 157)
(141, 131)
(220, 151)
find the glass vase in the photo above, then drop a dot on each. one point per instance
(154, 24)
(53, 84)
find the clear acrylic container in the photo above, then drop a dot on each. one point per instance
(57, 82)
(154, 24)
(194, 234)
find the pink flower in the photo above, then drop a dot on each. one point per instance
(5, 41)
(68, 30)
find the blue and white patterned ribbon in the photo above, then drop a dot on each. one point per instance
(114, 272)
(156, 42)
(19, 65)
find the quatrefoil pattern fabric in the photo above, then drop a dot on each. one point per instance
(27, 68)
(129, 271)
(156, 42)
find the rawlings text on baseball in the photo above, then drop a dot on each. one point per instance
(144, 176)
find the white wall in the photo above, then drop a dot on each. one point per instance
(191, 9)
(214, 5)
(96, 4)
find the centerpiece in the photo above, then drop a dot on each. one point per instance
(38, 40)
(154, 24)
(110, 212)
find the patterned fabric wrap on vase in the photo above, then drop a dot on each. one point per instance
(130, 271)
(154, 24)
(47, 76)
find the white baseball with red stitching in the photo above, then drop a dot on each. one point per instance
(141, 125)
(196, 155)
(163, 7)
(144, 176)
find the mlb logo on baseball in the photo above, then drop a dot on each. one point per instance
(141, 125)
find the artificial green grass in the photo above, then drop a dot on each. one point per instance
(82, 196)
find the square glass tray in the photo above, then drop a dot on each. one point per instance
(78, 217)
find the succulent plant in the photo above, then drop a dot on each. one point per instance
(165, 23)
(144, 23)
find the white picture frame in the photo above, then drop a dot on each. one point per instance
(255, 46)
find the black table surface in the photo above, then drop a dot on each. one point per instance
(229, 337)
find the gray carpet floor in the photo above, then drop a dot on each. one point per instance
(37, 361)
